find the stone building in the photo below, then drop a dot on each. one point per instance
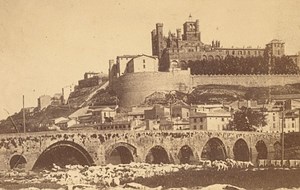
(212, 120)
(44, 101)
(91, 79)
(176, 50)
(142, 63)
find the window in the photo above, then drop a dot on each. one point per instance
(144, 61)
(201, 126)
(144, 66)
(293, 125)
(195, 120)
(195, 127)
(274, 125)
(233, 52)
(293, 119)
(222, 119)
(273, 118)
(201, 119)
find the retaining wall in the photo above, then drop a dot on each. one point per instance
(133, 88)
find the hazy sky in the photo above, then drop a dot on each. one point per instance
(46, 45)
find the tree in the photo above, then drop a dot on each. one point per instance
(247, 119)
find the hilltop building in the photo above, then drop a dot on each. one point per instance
(142, 63)
(44, 101)
(132, 64)
(91, 79)
(176, 50)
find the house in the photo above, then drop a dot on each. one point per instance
(86, 118)
(181, 124)
(213, 120)
(57, 120)
(91, 79)
(142, 63)
(120, 125)
(157, 112)
(122, 63)
(180, 111)
(137, 113)
(291, 121)
(104, 114)
(64, 124)
(57, 99)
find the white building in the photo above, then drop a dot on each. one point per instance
(122, 63)
(142, 63)
(212, 120)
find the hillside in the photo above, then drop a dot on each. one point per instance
(35, 120)
(99, 95)
(103, 95)
(221, 93)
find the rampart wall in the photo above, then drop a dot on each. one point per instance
(245, 80)
(132, 88)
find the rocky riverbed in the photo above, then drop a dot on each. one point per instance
(208, 175)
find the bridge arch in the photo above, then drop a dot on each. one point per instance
(217, 57)
(156, 155)
(120, 153)
(210, 58)
(186, 155)
(241, 150)
(262, 150)
(17, 161)
(63, 153)
(214, 149)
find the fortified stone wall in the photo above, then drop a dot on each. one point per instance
(133, 88)
(245, 80)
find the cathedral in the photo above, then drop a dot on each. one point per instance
(176, 50)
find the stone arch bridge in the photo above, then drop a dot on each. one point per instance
(94, 147)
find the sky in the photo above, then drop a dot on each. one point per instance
(49, 44)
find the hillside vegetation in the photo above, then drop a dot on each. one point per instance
(36, 120)
(220, 93)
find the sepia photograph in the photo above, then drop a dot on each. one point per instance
(151, 94)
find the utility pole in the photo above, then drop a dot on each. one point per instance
(282, 134)
(24, 125)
